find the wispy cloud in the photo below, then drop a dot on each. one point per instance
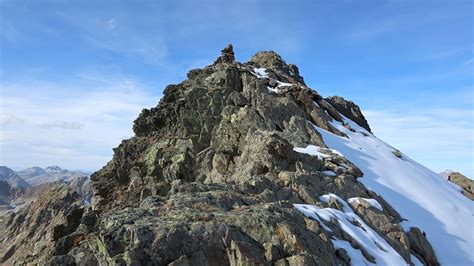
(77, 129)
(111, 24)
(127, 40)
(447, 53)
(440, 138)
(386, 18)
(8, 119)
(469, 61)
(374, 28)
(70, 125)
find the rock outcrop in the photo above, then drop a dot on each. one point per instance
(210, 178)
(466, 184)
(421, 248)
(349, 110)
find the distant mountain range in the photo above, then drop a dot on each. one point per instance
(22, 187)
(36, 175)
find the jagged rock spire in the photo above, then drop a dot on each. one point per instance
(227, 55)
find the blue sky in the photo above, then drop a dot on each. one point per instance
(74, 74)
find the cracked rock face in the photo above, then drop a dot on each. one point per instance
(212, 174)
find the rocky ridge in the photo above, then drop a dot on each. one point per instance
(212, 177)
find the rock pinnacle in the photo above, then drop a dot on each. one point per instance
(227, 55)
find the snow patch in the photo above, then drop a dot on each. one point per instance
(260, 72)
(312, 150)
(308, 211)
(329, 173)
(270, 89)
(354, 254)
(279, 87)
(283, 84)
(372, 202)
(354, 226)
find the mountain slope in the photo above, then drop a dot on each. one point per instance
(6, 192)
(240, 164)
(8, 175)
(417, 193)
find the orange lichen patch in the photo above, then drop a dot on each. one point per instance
(77, 239)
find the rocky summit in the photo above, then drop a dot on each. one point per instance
(230, 168)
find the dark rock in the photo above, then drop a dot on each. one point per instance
(193, 73)
(397, 153)
(331, 111)
(227, 55)
(420, 247)
(63, 260)
(349, 110)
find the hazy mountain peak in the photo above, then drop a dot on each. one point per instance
(37, 175)
(53, 168)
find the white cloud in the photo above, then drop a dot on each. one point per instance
(70, 125)
(439, 138)
(7, 119)
(73, 123)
